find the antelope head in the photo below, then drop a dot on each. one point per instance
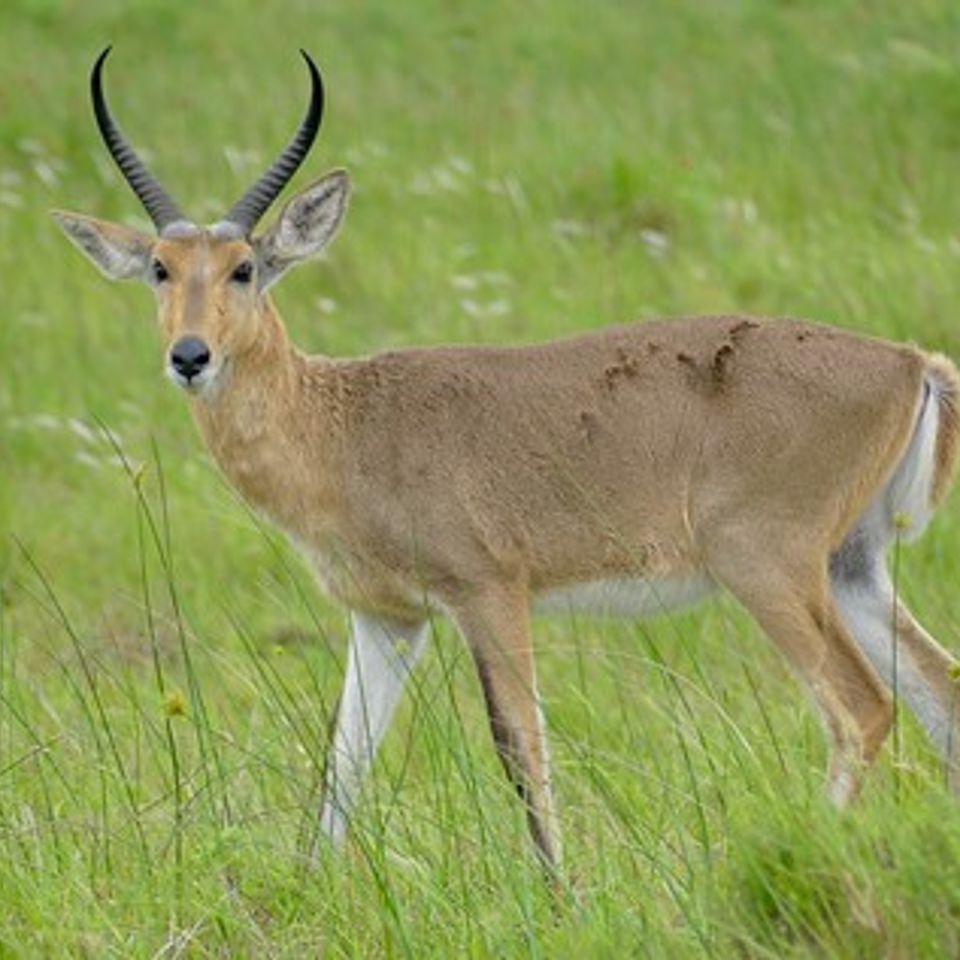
(210, 281)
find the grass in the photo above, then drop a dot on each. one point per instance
(167, 670)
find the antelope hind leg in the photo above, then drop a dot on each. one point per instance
(923, 681)
(800, 616)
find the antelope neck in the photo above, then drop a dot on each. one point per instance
(256, 428)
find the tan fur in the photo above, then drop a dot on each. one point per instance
(427, 472)
(468, 480)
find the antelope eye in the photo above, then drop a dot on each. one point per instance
(160, 272)
(242, 272)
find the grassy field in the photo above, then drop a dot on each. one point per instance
(167, 669)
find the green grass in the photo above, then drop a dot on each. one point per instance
(167, 670)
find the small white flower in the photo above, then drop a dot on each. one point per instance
(460, 165)
(241, 160)
(656, 242)
(498, 308)
(46, 171)
(570, 228)
(87, 459)
(496, 278)
(32, 147)
(492, 308)
(79, 429)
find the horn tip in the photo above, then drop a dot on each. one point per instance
(310, 62)
(98, 65)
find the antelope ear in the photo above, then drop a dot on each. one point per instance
(305, 226)
(118, 252)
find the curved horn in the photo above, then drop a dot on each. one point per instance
(253, 204)
(163, 211)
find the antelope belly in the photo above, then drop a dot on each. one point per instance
(626, 597)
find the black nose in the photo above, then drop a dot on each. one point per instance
(189, 355)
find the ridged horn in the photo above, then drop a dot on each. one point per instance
(248, 210)
(157, 202)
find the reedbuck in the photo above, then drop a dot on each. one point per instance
(619, 472)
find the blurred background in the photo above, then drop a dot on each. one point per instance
(521, 171)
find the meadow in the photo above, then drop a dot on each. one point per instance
(168, 670)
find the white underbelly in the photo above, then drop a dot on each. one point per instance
(626, 597)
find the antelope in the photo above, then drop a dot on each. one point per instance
(620, 472)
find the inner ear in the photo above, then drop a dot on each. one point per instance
(306, 225)
(118, 252)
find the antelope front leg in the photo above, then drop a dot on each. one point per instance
(496, 627)
(382, 655)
